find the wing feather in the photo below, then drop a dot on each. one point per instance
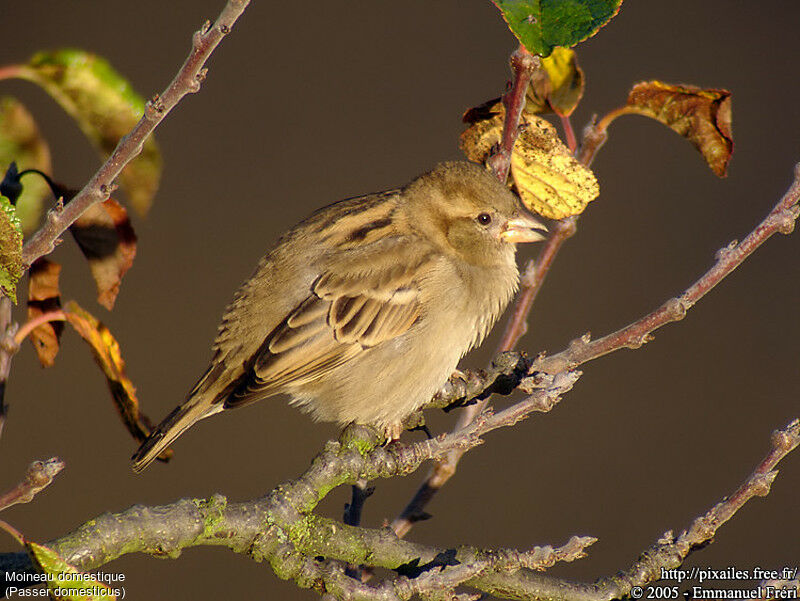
(348, 311)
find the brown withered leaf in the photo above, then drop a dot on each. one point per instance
(44, 297)
(106, 352)
(107, 240)
(557, 86)
(703, 116)
(548, 178)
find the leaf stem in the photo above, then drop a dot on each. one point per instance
(9, 71)
(30, 325)
(569, 132)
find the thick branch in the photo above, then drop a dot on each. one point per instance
(101, 184)
(262, 527)
(277, 528)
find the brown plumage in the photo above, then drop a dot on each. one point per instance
(363, 310)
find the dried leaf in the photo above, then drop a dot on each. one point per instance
(64, 581)
(104, 106)
(541, 25)
(557, 86)
(43, 297)
(107, 355)
(107, 240)
(21, 142)
(485, 128)
(11, 267)
(549, 180)
(702, 116)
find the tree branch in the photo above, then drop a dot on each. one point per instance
(100, 186)
(780, 220)
(262, 528)
(279, 528)
(670, 552)
(523, 63)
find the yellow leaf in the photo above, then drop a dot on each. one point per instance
(557, 86)
(549, 180)
(107, 354)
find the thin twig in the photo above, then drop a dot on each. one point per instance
(523, 63)
(100, 186)
(532, 281)
(39, 476)
(670, 552)
(781, 219)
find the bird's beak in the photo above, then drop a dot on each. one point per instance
(523, 229)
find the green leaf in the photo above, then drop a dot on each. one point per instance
(63, 580)
(11, 267)
(20, 141)
(541, 25)
(105, 107)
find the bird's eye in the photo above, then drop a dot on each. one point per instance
(484, 219)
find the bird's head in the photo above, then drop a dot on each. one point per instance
(467, 211)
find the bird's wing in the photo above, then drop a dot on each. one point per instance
(357, 304)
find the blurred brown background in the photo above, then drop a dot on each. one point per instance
(307, 103)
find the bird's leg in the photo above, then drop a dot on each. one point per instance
(392, 432)
(459, 375)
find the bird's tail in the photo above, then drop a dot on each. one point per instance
(175, 424)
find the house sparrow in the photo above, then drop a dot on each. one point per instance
(362, 311)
